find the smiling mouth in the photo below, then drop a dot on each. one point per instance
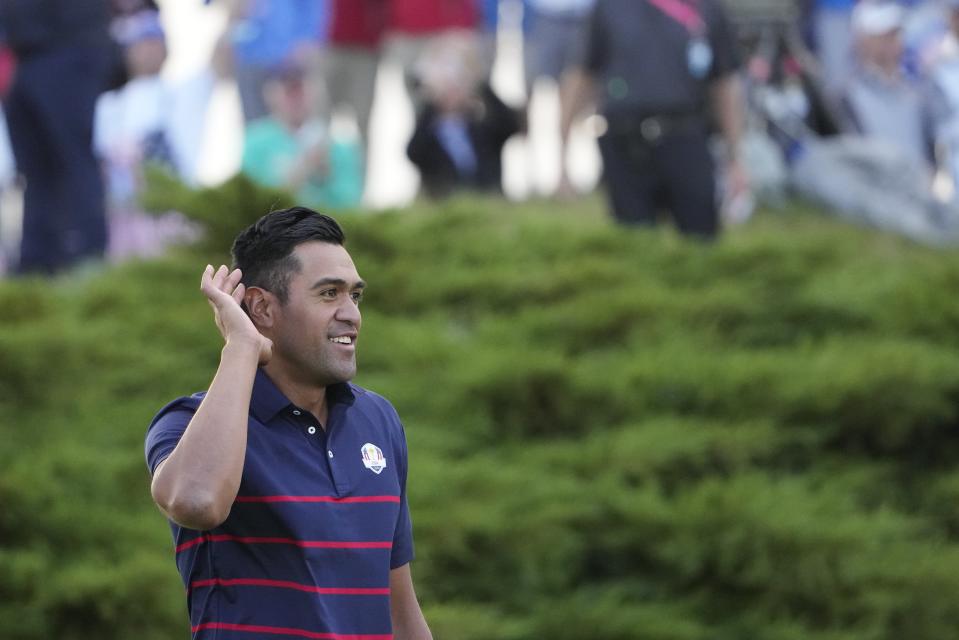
(342, 340)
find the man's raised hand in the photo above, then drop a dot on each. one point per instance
(224, 292)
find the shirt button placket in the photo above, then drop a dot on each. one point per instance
(331, 461)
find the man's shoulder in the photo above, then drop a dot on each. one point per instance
(371, 402)
(167, 426)
(367, 397)
(185, 404)
(379, 417)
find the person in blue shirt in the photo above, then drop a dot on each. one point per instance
(263, 34)
(285, 483)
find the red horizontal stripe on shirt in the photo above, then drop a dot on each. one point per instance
(289, 631)
(318, 499)
(283, 584)
(306, 544)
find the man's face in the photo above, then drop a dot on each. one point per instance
(288, 100)
(146, 57)
(883, 50)
(316, 330)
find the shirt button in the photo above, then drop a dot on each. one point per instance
(296, 412)
(330, 453)
(311, 430)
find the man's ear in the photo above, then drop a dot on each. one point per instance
(261, 306)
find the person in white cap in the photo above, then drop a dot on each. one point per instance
(881, 102)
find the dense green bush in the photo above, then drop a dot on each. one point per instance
(614, 433)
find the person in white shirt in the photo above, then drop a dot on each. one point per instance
(149, 120)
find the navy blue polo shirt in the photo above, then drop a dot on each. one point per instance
(319, 521)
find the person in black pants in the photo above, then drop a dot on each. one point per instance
(64, 59)
(673, 170)
(663, 71)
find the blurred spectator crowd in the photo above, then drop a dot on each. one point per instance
(704, 107)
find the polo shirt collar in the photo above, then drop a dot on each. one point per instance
(267, 400)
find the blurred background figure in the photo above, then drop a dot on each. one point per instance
(944, 77)
(147, 121)
(8, 169)
(120, 9)
(352, 56)
(663, 71)
(415, 24)
(462, 126)
(263, 34)
(64, 58)
(881, 102)
(293, 149)
(660, 69)
(832, 42)
(867, 175)
(555, 43)
(488, 27)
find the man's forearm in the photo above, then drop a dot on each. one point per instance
(727, 102)
(405, 613)
(577, 94)
(197, 484)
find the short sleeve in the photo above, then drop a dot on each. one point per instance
(403, 534)
(312, 24)
(721, 38)
(166, 430)
(595, 52)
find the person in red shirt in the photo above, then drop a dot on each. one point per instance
(429, 17)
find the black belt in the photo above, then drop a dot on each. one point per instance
(652, 128)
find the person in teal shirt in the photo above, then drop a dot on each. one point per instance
(290, 149)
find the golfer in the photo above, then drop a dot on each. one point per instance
(285, 483)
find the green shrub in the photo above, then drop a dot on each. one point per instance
(614, 433)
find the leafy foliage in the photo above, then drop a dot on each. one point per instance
(615, 433)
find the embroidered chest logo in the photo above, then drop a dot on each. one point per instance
(373, 458)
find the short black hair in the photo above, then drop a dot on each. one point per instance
(264, 250)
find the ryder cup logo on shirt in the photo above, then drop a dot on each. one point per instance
(373, 458)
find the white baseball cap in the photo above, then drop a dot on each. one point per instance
(877, 17)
